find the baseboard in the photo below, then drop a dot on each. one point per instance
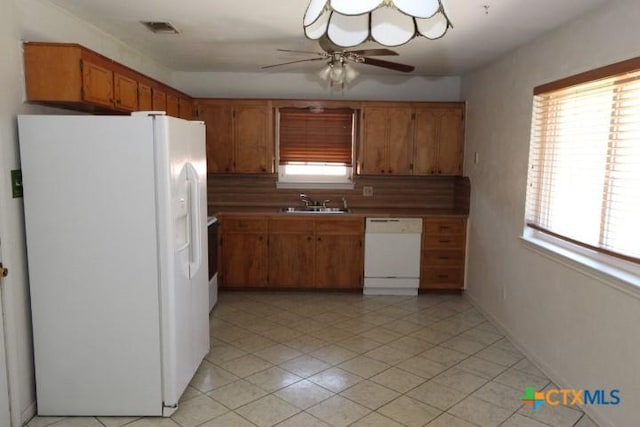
(552, 374)
(28, 413)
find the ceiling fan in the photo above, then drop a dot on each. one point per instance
(358, 56)
(337, 69)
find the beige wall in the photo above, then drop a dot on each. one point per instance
(580, 329)
(33, 20)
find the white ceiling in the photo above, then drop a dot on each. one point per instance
(243, 35)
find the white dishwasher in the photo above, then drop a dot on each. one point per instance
(392, 256)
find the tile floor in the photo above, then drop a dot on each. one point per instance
(332, 359)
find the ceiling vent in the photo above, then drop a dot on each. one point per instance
(160, 27)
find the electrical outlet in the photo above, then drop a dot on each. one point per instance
(504, 293)
(367, 191)
(475, 158)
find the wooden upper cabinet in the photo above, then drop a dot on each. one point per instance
(387, 140)
(70, 76)
(400, 131)
(158, 100)
(239, 137)
(373, 159)
(173, 105)
(186, 109)
(451, 142)
(218, 119)
(144, 97)
(125, 92)
(439, 141)
(252, 142)
(97, 84)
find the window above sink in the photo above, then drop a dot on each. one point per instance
(315, 147)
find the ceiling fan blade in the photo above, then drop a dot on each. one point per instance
(292, 62)
(390, 65)
(302, 51)
(373, 52)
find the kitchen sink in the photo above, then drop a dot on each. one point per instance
(314, 209)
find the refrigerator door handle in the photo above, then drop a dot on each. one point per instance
(195, 223)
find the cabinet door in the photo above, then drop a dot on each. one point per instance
(425, 145)
(451, 141)
(126, 93)
(291, 260)
(291, 252)
(173, 105)
(374, 152)
(243, 260)
(159, 100)
(400, 140)
(439, 141)
(252, 151)
(339, 261)
(219, 135)
(97, 84)
(144, 98)
(186, 109)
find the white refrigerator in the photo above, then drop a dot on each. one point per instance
(115, 218)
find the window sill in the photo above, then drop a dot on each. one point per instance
(618, 278)
(317, 185)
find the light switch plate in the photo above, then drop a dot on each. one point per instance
(367, 191)
(16, 183)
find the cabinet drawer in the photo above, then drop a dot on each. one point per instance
(290, 225)
(443, 276)
(444, 226)
(352, 225)
(243, 224)
(443, 241)
(443, 258)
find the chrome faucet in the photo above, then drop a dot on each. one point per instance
(308, 201)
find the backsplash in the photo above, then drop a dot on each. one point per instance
(432, 192)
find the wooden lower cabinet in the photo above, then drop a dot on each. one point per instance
(284, 252)
(243, 252)
(443, 254)
(339, 261)
(292, 250)
(339, 253)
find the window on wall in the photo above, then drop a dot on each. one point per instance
(315, 147)
(584, 165)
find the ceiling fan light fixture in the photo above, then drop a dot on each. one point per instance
(338, 73)
(390, 28)
(434, 27)
(347, 23)
(350, 30)
(350, 7)
(319, 27)
(418, 8)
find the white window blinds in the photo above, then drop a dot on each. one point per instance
(584, 164)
